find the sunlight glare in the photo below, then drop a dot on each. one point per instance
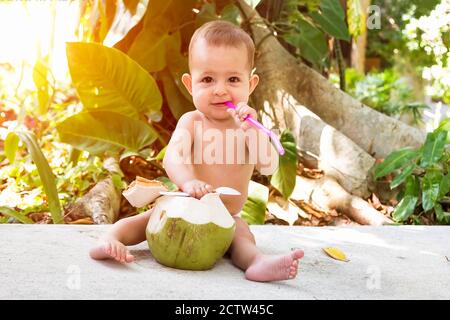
(28, 27)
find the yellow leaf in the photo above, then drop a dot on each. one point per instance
(335, 253)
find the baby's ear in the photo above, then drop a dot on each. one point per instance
(254, 80)
(187, 81)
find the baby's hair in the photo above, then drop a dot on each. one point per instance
(223, 33)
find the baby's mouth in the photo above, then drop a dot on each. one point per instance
(219, 104)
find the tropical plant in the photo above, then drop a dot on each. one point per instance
(117, 94)
(307, 25)
(415, 33)
(384, 91)
(423, 175)
(389, 41)
(43, 168)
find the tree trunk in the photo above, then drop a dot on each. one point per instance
(358, 55)
(287, 83)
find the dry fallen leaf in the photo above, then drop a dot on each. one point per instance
(376, 202)
(87, 220)
(289, 214)
(335, 253)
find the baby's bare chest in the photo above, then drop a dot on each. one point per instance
(222, 146)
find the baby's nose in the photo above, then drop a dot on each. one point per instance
(220, 89)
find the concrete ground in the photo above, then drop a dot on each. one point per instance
(407, 262)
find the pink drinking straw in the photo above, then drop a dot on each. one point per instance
(258, 125)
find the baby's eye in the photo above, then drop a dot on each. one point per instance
(207, 79)
(234, 79)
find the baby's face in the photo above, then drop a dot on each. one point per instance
(218, 74)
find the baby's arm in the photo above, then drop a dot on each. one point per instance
(178, 161)
(266, 162)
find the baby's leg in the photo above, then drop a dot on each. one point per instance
(128, 231)
(257, 266)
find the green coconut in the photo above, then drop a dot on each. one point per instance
(187, 233)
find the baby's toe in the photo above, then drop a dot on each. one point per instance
(120, 256)
(292, 273)
(297, 254)
(123, 255)
(113, 252)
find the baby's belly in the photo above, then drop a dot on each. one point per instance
(233, 176)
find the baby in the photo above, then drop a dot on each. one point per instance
(214, 146)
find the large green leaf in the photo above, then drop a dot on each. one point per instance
(177, 97)
(412, 187)
(445, 124)
(254, 210)
(406, 172)
(406, 206)
(45, 173)
(430, 188)
(100, 131)
(178, 65)
(394, 161)
(284, 177)
(207, 13)
(444, 187)
(311, 42)
(16, 215)
(11, 146)
(433, 149)
(178, 104)
(332, 19)
(230, 13)
(108, 79)
(441, 215)
(158, 8)
(149, 47)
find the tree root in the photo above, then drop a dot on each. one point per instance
(327, 194)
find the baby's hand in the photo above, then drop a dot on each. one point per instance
(196, 188)
(241, 112)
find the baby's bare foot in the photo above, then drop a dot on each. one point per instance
(272, 268)
(111, 249)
